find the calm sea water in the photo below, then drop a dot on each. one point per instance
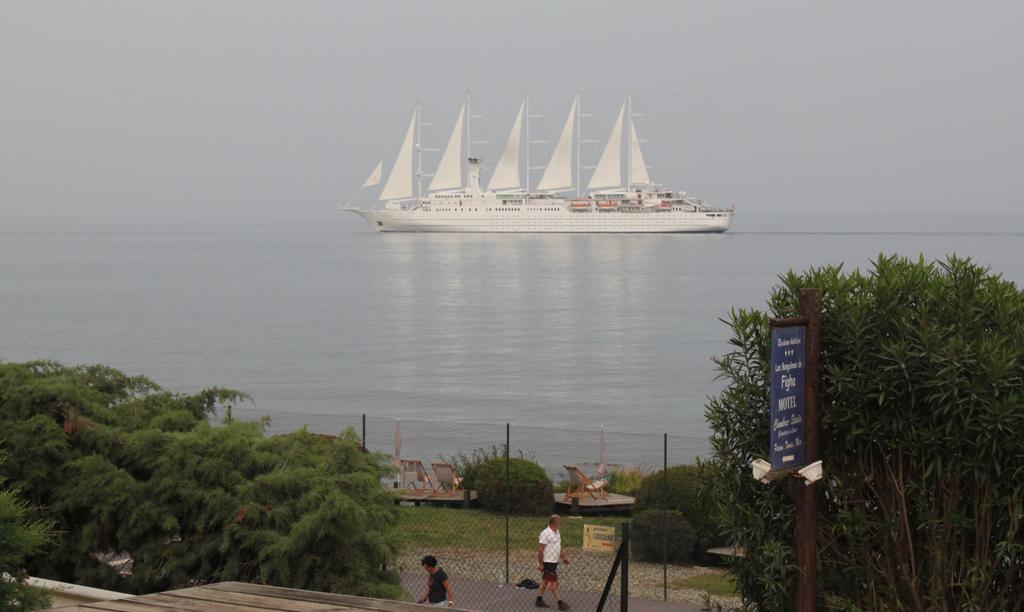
(571, 331)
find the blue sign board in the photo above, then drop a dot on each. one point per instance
(787, 397)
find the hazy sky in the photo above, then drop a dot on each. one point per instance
(256, 112)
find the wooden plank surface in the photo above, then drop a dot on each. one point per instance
(140, 604)
(613, 499)
(185, 603)
(357, 603)
(134, 604)
(217, 597)
(427, 497)
(240, 596)
(727, 551)
(101, 605)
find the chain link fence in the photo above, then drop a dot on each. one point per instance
(485, 536)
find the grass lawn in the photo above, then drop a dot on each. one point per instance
(718, 584)
(435, 527)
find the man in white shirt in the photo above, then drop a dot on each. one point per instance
(549, 553)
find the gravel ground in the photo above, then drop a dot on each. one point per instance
(587, 572)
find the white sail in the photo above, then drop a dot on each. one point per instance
(637, 167)
(506, 173)
(399, 184)
(449, 171)
(608, 172)
(374, 177)
(558, 174)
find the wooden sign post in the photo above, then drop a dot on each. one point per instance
(807, 495)
(795, 401)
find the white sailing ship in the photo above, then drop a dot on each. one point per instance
(613, 202)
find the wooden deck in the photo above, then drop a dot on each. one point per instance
(425, 497)
(586, 504)
(239, 596)
(727, 551)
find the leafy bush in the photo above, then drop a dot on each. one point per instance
(624, 482)
(528, 488)
(656, 533)
(684, 492)
(922, 440)
(20, 537)
(468, 466)
(118, 464)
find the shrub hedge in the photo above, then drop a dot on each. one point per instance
(657, 533)
(528, 488)
(684, 492)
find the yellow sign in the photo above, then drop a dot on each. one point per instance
(599, 538)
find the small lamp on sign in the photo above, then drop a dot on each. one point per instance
(760, 469)
(812, 473)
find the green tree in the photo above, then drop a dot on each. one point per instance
(20, 537)
(126, 469)
(922, 439)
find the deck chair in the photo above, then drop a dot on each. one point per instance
(415, 476)
(580, 485)
(446, 481)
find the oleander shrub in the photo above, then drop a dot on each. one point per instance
(657, 535)
(922, 440)
(528, 487)
(684, 491)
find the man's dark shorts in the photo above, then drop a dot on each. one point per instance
(550, 572)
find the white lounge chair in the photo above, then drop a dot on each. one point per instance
(579, 484)
(415, 477)
(447, 482)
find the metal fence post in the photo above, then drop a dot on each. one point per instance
(508, 436)
(624, 589)
(664, 540)
(364, 432)
(611, 579)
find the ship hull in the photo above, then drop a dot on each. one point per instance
(560, 221)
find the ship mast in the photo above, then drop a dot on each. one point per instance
(530, 142)
(469, 136)
(629, 144)
(419, 150)
(579, 142)
(527, 98)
